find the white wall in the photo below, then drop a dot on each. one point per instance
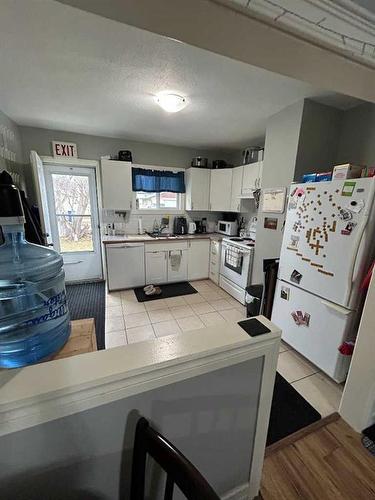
(358, 401)
(211, 418)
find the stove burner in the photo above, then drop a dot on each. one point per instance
(236, 239)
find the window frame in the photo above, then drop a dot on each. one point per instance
(144, 211)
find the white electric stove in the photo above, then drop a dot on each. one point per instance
(236, 266)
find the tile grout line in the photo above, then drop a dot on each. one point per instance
(302, 378)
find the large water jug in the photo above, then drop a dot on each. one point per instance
(34, 317)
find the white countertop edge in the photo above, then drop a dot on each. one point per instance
(43, 392)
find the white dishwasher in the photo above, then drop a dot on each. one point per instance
(125, 265)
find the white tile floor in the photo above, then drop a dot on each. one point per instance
(128, 321)
(317, 388)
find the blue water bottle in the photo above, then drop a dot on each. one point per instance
(34, 317)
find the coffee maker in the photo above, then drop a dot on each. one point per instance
(199, 226)
(180, 225)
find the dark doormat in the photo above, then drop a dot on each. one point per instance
(87, 300)
(290, 412)
(169, 290)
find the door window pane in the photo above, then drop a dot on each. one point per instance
(72, 194)
(75, 233)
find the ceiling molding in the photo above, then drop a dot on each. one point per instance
(344, 26)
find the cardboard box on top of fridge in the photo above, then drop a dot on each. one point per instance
(346, 171)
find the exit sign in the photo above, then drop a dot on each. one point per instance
(64, 149)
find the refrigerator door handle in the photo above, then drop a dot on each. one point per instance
(335, 307)
(354, 260)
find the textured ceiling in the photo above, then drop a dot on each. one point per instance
(65, 69)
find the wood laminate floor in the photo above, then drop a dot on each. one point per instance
(328, 463)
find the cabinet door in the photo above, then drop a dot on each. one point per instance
(220, 189)
(116, 185)
(177, 265)
(198, 259)
(237, 174)
(250, 178)
(156, 267)
(197, 188)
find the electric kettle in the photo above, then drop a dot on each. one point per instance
(192, 227)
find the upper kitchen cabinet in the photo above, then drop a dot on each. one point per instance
(220, 190)
(116, 184)
(252, 177)
(197, 181)
(237, 174)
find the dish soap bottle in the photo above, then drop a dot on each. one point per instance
(34, 317)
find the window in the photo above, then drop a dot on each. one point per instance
(157, 201)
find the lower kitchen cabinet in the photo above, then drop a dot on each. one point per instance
(156, 267)
(198, 259)
(177, 265)
(166, 262)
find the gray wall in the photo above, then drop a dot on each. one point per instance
(357, 139)
(93, 147)
(281, 146)
(319, 138)
(301, 138)
(210, 418)
(15, 146)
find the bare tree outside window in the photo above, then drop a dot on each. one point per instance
(73, 212)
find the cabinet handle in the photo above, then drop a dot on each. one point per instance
(192, 205)
(131, 205)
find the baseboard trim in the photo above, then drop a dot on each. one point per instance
(292, 438)
(239, 493)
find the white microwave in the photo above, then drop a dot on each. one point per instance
(229, 228)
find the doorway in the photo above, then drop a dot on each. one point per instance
(74, 222)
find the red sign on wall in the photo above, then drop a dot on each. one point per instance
(64, 149)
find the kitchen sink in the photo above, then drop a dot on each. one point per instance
(166, 236)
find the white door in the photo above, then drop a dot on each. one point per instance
(220, 189)
(197, 182)
(250, 178)
(314, 327)
(41, 194)
(73, 213)
(116, 185)
(125, 265)
(156, 267)
(325, 228)
(177, 271)
(237, 174)
(198, 259)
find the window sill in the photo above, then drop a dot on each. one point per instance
(159, 211)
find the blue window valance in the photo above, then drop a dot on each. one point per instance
(158, 181)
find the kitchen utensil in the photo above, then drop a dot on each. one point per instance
(199, 162)
(192, 227)
(219, 164)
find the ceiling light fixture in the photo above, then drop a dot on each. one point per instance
(171, 102)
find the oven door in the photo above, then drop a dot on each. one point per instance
(231, 268)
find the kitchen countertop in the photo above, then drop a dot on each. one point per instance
(148, 239)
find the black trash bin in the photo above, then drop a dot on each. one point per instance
(254, 294)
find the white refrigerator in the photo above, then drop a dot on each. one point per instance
(328, 245)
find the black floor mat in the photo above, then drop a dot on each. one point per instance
(167, 291)
(87, 300)
(290, 412)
